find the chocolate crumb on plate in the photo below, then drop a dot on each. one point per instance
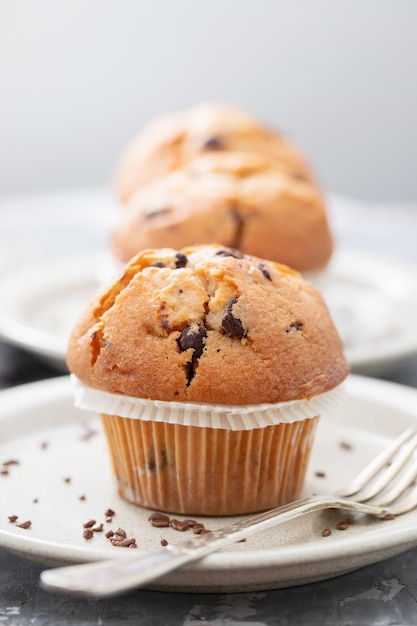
(88, 533)
(326, 532)
(120, 539)
(320, 474)
(109, 512)
(13, 518)
(97, 528)
(89, 523)
(10, 462)
(345, 445)
(179, 525)
(159, 520)
(198, 529)
(388, 517)
(164, 542)
(4, 471)
(25, 525)
(343, 525)
(67, 479)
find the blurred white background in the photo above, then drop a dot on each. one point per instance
(79, 78)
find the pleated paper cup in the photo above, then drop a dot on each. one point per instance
(200, 459)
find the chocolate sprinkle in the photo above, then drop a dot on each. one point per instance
(345, 445)
(158, 520)
(179, 525)
(89, 523)
(24, 525)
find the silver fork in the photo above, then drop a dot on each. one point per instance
(387, 486)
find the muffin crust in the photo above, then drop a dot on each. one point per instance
(173, 140)
(240, 200)
(208, 324)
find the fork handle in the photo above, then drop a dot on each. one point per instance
(106, 578)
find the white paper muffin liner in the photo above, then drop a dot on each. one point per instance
(245, 417)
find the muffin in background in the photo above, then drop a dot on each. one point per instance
(242, 200)
(171, 141)
(210, 370)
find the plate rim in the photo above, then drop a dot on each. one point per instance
(59, 389)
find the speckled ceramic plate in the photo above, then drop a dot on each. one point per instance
(364, 294)
(55, 473)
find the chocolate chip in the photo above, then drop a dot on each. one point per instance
(264, 271)
(181, 260)
(294, 326)
(193, 337)
(229, 252)
(239, 221)
(231, 325)
(156, 210)
(213, 143)
(157, 264)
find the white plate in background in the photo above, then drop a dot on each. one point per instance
(56, 463)
(373, 302)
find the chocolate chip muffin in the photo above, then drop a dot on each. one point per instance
(171, 141)
(239, 199)
(210, 369)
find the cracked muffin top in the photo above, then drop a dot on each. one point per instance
(237, 199)
(173, 140)
(208, 324)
